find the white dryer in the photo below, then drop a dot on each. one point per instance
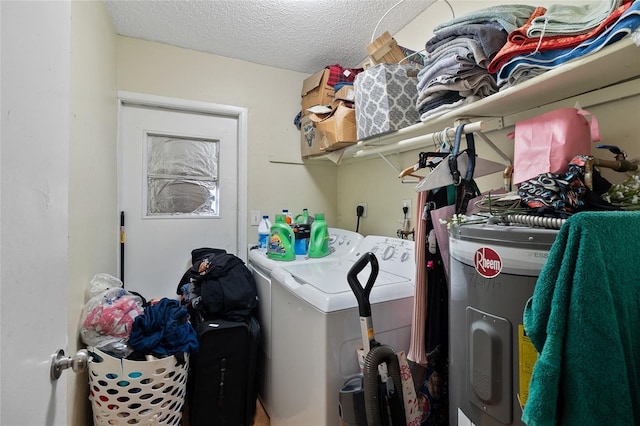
(316, 327)
(341, 242)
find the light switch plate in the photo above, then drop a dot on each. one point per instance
(255, 217)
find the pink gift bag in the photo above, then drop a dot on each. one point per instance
(547, 142)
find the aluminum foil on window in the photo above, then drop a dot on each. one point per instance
(182, 157)
(181, 196)
(182, 176)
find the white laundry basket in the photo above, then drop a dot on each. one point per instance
(124, 392)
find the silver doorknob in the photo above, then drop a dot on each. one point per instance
(59, 362)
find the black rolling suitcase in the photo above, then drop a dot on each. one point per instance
(222, 381)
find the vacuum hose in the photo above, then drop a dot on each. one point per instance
(376, 356)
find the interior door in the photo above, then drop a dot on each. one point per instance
(34, 205)
(178, 190)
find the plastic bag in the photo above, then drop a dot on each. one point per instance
(546, 143)
(102, 282)
(107, 317)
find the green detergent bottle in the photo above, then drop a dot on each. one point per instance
(304, 217)
(281, 240)
(319, 240)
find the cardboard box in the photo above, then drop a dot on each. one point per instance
(346, 93)
(309, 144)
(328, 132)
(385, 50)
(339, 130)
(316, 91)
(386, 97)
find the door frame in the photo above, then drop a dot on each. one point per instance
(240, 114)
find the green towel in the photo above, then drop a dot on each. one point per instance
(567, 20)
(510, 17)
(584, 321)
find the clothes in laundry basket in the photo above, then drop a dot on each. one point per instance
(107, 317)
(163, 329)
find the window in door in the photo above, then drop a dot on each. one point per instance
(182, 177)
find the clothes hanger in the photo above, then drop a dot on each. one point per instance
(425, 159)
(409, 171)
(459, 165)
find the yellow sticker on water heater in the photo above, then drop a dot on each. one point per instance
(527, 357)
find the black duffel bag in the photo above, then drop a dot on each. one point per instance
(218, 285)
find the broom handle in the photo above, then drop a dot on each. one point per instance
(122, 237)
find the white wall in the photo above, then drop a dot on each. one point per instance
(272, 97)
(375, 182)
(93, 218)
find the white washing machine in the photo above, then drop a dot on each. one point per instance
(341, 241)
(316, 327)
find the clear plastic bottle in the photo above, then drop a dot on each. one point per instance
(288, 217)
(264, 228)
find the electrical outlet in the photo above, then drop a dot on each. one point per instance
(407, 203)
(364, 206)
(255, 217)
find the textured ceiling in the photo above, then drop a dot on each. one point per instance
(297, 35)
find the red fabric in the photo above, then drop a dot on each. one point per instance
(339, 74)
(518, 43)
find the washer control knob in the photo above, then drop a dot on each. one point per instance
(388, 252)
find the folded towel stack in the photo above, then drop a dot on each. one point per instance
(458, 55)
(554, 36)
